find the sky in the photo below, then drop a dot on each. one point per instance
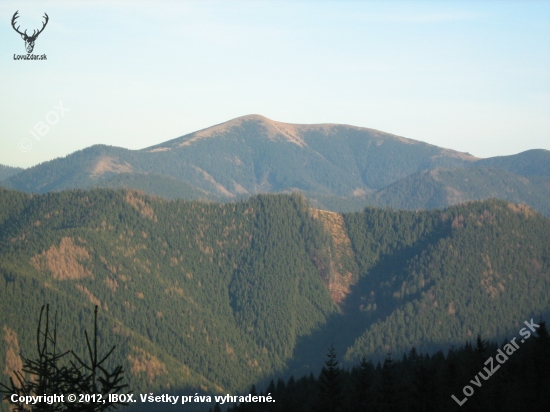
(472, 76)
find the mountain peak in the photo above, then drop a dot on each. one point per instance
(262, 128)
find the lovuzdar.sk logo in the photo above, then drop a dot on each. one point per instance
(29, 40)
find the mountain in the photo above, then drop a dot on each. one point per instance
(8, 171)
(263, 155)
(158, 185)
(251, 155)
(438, 188)
(529, 163)
(210, 297)
(338, 167)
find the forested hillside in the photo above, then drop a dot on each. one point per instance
(7, 171)
(436, 277)
(439, 188)
(207, 296)
(534, 162)
(213, 297)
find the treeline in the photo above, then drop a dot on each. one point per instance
(479, 376)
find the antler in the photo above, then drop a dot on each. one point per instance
(34, 33)
(15, 16)
(43, 25)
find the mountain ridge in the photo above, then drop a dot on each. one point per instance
(289, 130)
(340, 167)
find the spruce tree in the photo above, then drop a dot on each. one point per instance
(53, 372)
(363, 384)
(330, 385)
(388, 391)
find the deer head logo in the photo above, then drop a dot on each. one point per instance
(29, 40)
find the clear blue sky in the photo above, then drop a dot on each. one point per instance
(472, 76)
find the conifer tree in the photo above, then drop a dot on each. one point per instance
(363, 384)
(52, 373)
(330, 385)
(388, 391)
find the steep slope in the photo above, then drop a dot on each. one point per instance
(481, 268)
(431, 279)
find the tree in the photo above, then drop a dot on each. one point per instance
(330, 385)
(47, 374)
(389, 389)
(363, 384)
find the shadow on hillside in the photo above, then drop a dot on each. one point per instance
(342, 329)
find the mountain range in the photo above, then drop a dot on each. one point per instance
(239, 253)
(338, 167)
(212, 297)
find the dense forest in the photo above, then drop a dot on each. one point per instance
(7, 171)
(207, 296)
(211, 298)
(477, 376)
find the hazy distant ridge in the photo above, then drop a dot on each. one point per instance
(340, 167)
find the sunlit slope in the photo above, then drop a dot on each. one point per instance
(253, 154)
(339, 167)
(194, 294)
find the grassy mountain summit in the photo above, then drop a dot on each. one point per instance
(213, 297)
(323, 157)
(339, 167)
